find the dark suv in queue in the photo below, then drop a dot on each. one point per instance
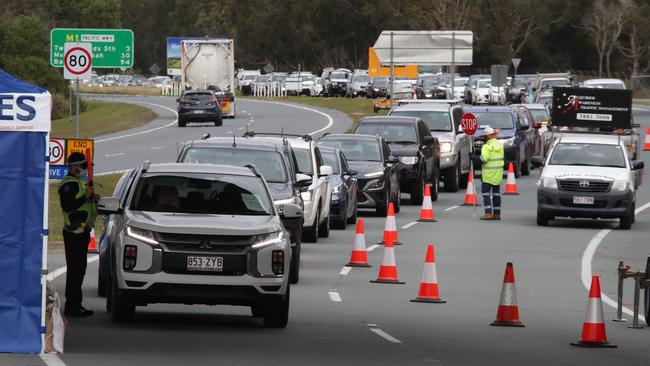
(377, 170)
(343, 185)
(418, 152)
(199, 106)
(275, 160)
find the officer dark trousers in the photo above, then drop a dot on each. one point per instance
(491, 198)
(76, 252)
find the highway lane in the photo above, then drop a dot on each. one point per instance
(365, 326)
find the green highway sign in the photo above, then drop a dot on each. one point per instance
(112, 48)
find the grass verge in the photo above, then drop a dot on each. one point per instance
(129, 90)
(100, 118)
(104, 186)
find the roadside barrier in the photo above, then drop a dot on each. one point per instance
(593, 329)
(508, 311)
(427, 214)
(470, 196)
(359, 256)
(270, 90)
(511, 183)
(388, 269)
(428, 291)
(92, 244)
(646, 143)
(641, 281)
(390, 230)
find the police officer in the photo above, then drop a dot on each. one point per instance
(491, 174)
(78, 202)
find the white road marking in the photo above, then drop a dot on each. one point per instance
(409, 225)
(156, 147)
(116, 154)
(51, 359)
(371, 248)
(334, 295)
(371, 325)
(588, 255)
(59, 271)
(330, 120)
(385, 335)
(345, 271)
(451, 208)
(145, 131)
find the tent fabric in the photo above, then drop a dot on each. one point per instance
(23, 168)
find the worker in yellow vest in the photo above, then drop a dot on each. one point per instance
(492, 154)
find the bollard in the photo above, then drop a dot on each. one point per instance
(619, 306)
(637, 292)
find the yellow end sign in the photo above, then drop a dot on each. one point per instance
(85, 147)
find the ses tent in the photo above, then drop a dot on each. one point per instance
(24, 135)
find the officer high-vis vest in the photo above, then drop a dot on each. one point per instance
(87, 212)
(492, 158)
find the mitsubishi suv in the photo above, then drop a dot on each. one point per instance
(199, 234)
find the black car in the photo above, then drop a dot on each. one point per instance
(343, 184)
(431, 88)
(418, 152)
(199, 106)
(378, 87)
(377, 170)
(276, 162)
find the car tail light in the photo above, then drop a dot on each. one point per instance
(130, 257)
(185, 102)
(212, 102)
(277, 262)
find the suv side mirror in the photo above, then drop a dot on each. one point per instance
(178, 100)
(303, 180)
(110, 205)
(291, 211)
(351, 172)
(325, 171)
(537, 161)
(428, 140)
(392, 160)
(638, 164)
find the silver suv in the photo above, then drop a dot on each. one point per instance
(199, 234)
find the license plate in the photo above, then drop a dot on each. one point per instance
(211, 264)
(197, 111)
(583, 200)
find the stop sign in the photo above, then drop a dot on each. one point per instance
(469, 123)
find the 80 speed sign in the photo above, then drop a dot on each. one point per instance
(77, 60)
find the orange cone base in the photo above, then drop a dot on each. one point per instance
(394, 243)
(510, 193)
(395, 282)
(593, 345)
(429, 300)
(471, 204)
(358, 265)
(427, 220)
(498, 323)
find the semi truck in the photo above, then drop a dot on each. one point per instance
(210, 64)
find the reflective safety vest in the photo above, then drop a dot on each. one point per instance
(87, 212)
(492, 158)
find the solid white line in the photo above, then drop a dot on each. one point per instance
(334, 296)
(116, 154)
(156, 147)
(145, 131)
(451, 208)
(345, 271)
(51, 359)
(371, 248)
(409, 225)
(330, 120)
(59, 271)
(385, 335)
(588, 255)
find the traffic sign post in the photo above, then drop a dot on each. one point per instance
(469, 123)
(111, 48)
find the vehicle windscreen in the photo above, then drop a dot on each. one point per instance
(607, 86)
(198, 96)
(203, 194)
(380, 82)
(553, 83)
(398, 133)
(303, 158)
(338, 75)
(269, 163)
(263, 78)
(520, 82)
(329, 158)
(356, 150)
(361, 79)
(544, 99)
(460, 82)
(539, 115)
(484, 83)
(588, 155)
(502, 120)
(435, 120)
(427, 83)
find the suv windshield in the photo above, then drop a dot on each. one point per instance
(588, 155)
(338, 75)
(391, 132)
(553, 83)
(484, 83)
(435, 120)
(361, 79)
(303, 159)
(202, 193)
(539, 114)
(494, 120)
(379, 82)
(199, 96)
(269, 163)
(356, 150)
(329, 158)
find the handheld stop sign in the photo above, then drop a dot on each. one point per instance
(469, 123)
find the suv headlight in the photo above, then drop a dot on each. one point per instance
(142, 235)
(508, 142)
(263, 240)
(620, 185)
(548, 182)
(446, 147)
(408, 159)
(336, 189)
(306, 195)
(376, 184)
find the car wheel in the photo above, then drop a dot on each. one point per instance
(121, 310)
(219, 122)
(525, 167)
(294, 271)
(397, 203)
(646, 304)
(382, 207)
(542, 218)
(257, 311)
(625, 222)
(310, 234)
(181, 123)
(435, 185)
(324, 229)
(353, 219)
(452, 178)
(417, 191)
(278, 315)
(341, 224)
(517, 168)
(101, 285)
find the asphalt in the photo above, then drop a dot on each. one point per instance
(376, 324)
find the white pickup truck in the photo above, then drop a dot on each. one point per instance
(588, 176)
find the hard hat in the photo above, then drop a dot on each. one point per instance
(489, 131)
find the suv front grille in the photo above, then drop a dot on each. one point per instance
(235, 244)
(588, 186)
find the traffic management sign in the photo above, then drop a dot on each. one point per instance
(77, 61)
(469, 123)
(111, 48)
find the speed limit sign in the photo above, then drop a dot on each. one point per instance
(77, 60)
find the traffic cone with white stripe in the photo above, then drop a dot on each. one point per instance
(390, 230)
(92, 244)
(646, 142)
(359, 257)
(593, 329)
(511, 183)
(508, 312)
(470, 196)
(388, 269)
(429, 284)
(427, 214)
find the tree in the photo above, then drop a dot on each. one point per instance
(604, 24)
(634, 45)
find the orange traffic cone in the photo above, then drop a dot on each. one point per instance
(388, 269)
(92, 245)
(414, 95)
(470, 196)
(593, 329)
(390, 230)
(359, 257)
(508, 312)
(646, 142)
(429, 284)
(511, 184)
(427, 214)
